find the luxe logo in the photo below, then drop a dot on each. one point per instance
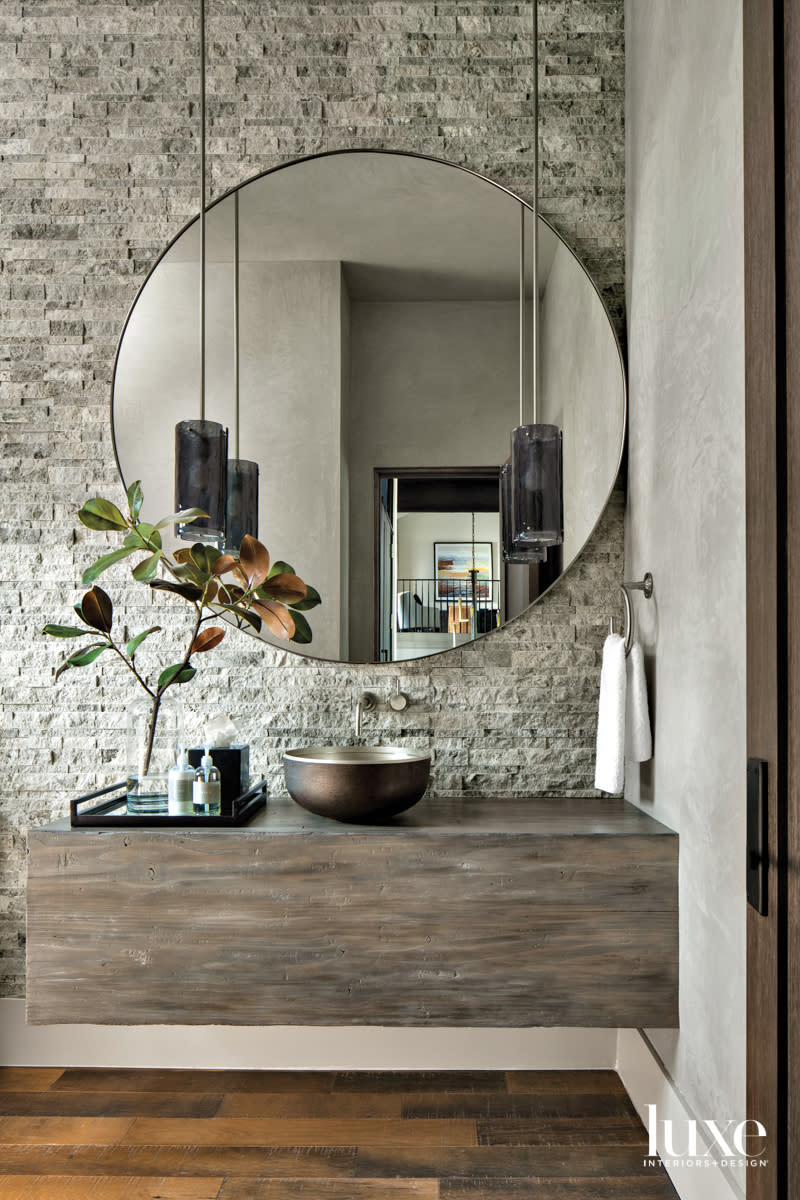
(740, 1143)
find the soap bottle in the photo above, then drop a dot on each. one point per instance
(206, 793)
(180, 783)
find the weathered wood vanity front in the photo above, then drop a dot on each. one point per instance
(461, 912)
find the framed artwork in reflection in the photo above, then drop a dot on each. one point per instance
(452, 564)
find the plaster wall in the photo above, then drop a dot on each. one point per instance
(98, 137)
(432, 385)
(685, 519)
(293, 370)
(579, 371)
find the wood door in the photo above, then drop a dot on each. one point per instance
(772, 381)
(791, 531)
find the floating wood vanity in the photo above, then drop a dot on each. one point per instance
(461, 912)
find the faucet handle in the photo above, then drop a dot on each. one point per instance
(399, 700)
(365, 703)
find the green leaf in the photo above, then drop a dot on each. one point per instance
(189, 591)
(96, 569)
(204, 557)
(178, 673)
(147, 568)
(248, 617)
(63, 631)
(97, 610)
(135, 499)
(101, 514)
(82, 658)
(189, 572)
(149, 533)
(311, 599)
(135, 642)
(302, 629)
(184, 517)
(280, 568)
(134, 541)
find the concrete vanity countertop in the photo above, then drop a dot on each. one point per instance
(476, 912)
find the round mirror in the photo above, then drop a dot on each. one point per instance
(383, 338)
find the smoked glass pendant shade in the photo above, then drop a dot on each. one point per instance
(242, 514)
(201, 477)
(537, 497)
(513, 552)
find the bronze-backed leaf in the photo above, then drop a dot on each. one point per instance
(289, 588)
(276, 617)
(183, 555)
(254, 560)
(207, 639)
(97, 609)
(225, 563)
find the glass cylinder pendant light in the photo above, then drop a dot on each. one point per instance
(531, 486)
(513, 552)
(242, 504)
(201, 446)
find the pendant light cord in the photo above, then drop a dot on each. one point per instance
(236, 321)
(522, 321)
(535, 247)
(202, 210)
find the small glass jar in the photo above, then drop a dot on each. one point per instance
(150, 754)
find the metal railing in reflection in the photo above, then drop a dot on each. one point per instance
(469, 605)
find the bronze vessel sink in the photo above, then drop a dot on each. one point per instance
(356, 783)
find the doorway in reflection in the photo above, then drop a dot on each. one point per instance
(441, 580)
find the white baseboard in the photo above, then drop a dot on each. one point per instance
(299, 1048)
(646, 1083)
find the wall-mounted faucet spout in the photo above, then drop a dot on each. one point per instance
(365, 703)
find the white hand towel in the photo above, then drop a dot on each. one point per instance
(609, 773)
(638, 738)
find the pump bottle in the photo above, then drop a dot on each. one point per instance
(180, 784)
(206, 792)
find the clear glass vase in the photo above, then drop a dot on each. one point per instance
(151, 751)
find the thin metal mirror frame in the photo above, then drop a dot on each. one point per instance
(500, 187)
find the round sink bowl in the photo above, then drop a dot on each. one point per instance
(356, 783)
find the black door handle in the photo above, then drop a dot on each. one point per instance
(757, 855)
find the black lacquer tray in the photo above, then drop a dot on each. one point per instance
(112, 813)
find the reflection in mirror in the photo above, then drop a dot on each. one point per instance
(380, 380)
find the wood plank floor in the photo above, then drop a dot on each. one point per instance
(82, 1134)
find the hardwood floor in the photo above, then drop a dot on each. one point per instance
(82, 1134)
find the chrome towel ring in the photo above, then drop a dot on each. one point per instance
(626, 587)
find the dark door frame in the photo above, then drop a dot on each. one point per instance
(380, 473)
(771, 38)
